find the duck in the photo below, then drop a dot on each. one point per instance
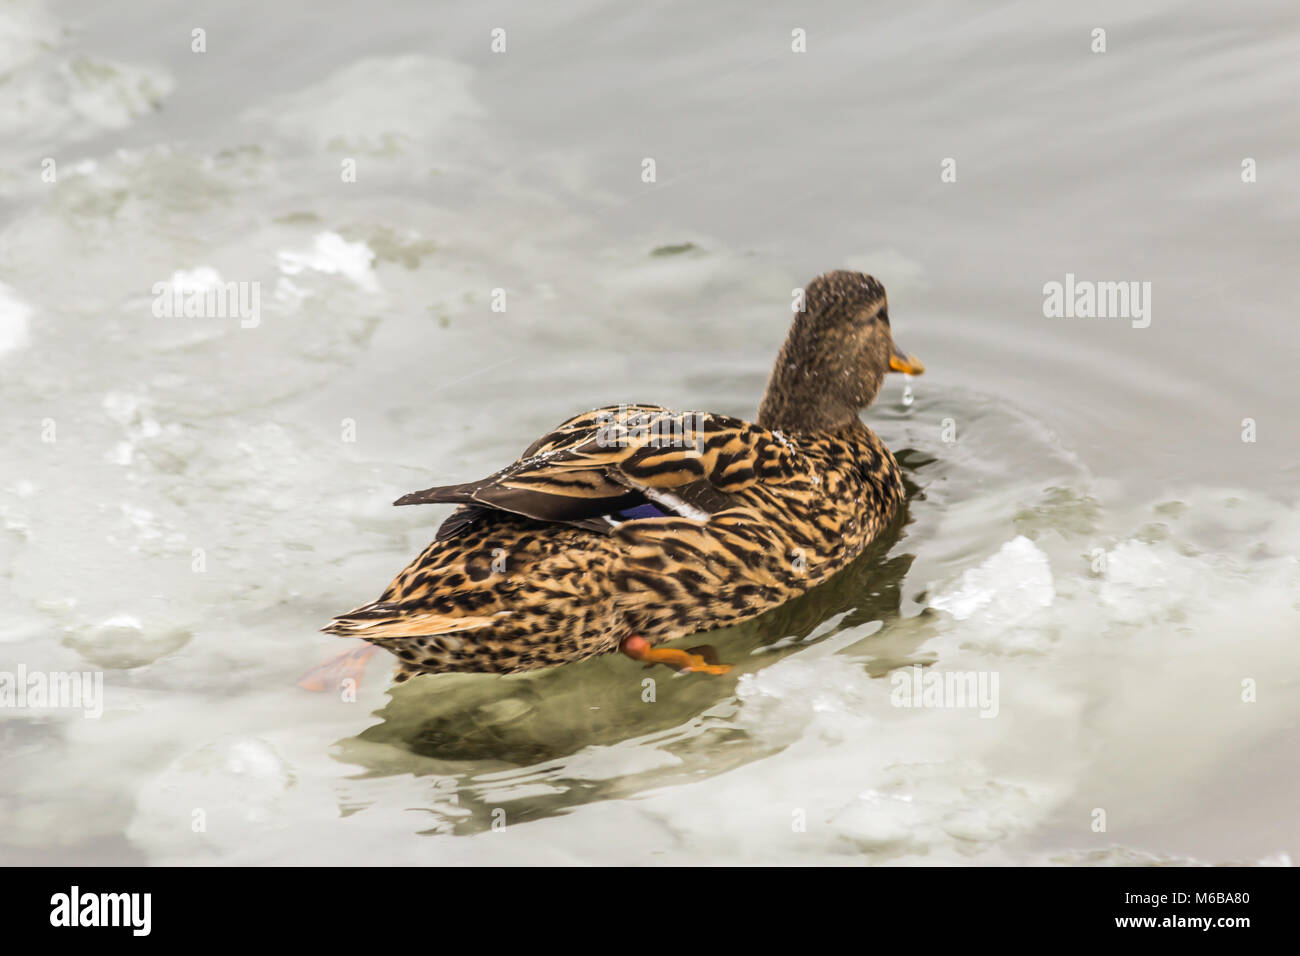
(630, 526)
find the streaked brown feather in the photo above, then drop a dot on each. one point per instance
(781, 516)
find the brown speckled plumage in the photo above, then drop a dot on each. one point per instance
(542, 563)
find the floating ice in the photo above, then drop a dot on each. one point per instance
(1141, 580)
(331, 254)
(111, 94)
(122, 641)
(14, 317)
(120, 406)
(1007, 588)
(53, 94)
(786, 696)
(196, 280)
(123, 620)
(366, 107)
(225, 793)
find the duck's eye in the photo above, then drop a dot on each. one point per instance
(884, 316)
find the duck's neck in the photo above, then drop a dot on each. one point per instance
(797, 401)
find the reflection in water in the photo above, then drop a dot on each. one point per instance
(535, 731)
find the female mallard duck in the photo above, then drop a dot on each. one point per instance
(629, 526)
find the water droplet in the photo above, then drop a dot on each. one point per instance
(907, 391)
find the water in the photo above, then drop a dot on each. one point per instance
(182, 506)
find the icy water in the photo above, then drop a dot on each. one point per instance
(1102, 509)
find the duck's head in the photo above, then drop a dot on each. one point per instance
(836, 356)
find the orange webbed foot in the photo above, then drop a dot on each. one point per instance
(701, 660)
(336, 670)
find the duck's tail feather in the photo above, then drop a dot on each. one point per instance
(387, 620)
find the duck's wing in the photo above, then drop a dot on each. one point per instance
(621, 463)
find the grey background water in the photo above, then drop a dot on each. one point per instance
(1121, 675)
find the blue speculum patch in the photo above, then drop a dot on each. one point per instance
(647, 510)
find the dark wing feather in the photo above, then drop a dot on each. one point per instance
(612, 459)
(461, 519)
